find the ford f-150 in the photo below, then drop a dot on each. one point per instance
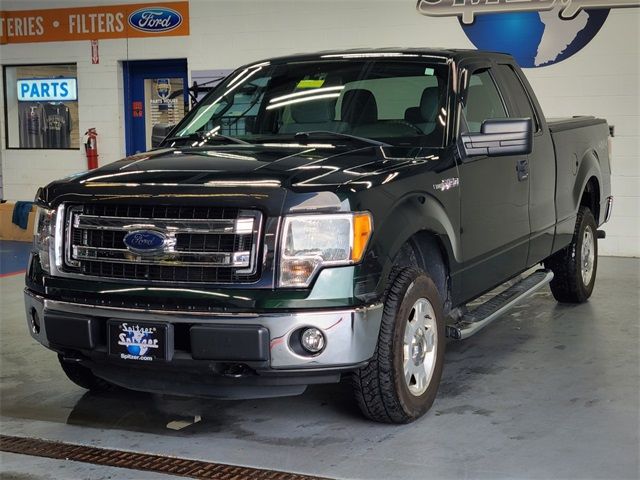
(318, 217)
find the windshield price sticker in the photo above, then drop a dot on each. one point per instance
(310, 83)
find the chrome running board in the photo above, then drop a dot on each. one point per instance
(474, 321)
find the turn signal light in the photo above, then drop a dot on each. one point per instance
(362, 228)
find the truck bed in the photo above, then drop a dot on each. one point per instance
(561, 124)
(581, 146)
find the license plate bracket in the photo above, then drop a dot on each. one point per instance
(140, 341)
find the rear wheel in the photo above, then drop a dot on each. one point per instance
(84, 377)
(400, 384)
(575, 266)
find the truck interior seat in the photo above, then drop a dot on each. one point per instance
(359, 107)
(312, 115)
(424, 116)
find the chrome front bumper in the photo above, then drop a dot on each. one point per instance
(351, 335)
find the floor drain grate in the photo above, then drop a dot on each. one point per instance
(140, 461)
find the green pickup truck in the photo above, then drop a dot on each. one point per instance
(316, 218)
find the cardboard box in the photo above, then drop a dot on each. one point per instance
(10, 231)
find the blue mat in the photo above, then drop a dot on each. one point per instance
(14, 257)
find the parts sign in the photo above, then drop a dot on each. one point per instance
(47, 90)
(90, 23)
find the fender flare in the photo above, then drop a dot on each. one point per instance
(412, 213)
(589, 167)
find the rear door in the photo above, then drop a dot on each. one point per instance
(494, 196)
(542, 165)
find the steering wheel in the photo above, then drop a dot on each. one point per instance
(407, 124)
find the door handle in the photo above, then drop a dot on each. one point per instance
(522, 167)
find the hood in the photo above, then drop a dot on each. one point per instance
(241, 170)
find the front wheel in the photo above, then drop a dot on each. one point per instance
(575, 266)
(400, 383)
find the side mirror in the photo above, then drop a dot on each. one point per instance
(159, 132)
(500, 137)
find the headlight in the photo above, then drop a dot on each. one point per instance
(311, 242)
(43, 231)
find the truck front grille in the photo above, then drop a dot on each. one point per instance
(199, 244)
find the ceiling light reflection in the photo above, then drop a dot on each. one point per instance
(243, 183)
(304, 99)
(110, 175)
(299, 145)
(390, 177)
(308, 92)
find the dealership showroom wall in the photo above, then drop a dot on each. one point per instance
(548, 390)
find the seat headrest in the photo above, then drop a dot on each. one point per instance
(359, 107)
(413, 115)
(429, 104)
(314, 111)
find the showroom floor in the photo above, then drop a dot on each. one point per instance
(549, 391)
(13, 257)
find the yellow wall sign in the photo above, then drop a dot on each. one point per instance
(91, 23)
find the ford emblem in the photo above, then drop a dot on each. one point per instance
(155, 19)
(145, 241)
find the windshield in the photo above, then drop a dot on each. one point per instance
(390, 101)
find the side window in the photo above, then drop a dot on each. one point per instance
(483, 101)
(521, 98)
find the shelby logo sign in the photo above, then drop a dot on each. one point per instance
(536, 32)
(155, 19)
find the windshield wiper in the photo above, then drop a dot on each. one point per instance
(304, 136)
(199, 136)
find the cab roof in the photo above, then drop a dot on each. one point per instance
(445, 54)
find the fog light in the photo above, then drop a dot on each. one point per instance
(312, 340)
(35, 321)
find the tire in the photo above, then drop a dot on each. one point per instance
(84, 377)
(575, 266)
(380, 388)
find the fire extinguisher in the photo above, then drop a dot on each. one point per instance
(91, 147)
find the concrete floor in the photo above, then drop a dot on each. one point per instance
(548, 391)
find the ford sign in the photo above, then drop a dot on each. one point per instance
(145, 241)
(155, 19)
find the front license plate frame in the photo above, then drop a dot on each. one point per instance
(144, 342)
